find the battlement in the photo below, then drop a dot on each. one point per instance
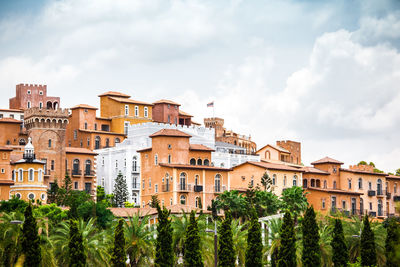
(31, 86)
(167, 126)
(46, 113)
(364, 168)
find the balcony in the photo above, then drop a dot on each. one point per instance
(380, 193)
(184, 188)
(47, 173)
(135, 186)
(371, 193)
(166, 187)
(136, 170)
(396, 198)
(198, 188)
(76, 173)
(89, 173)
(388, 195)
(219, 189)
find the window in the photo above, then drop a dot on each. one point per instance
(169, 105)
(206, 162)
(103, 181)
(18, 195)
(117, 141)
(149, 182)
(395, 188)
(156, 188)
(176, 121)
(97, 142)
(334, 184)
(136, 111)
(146, 112)
(182, 181)
(52, 165)
(3, 170)
(31, 196)
(88, 167)
(169, 119)
(40, 92)
(40, 105)
(333, 202)
(344, 205)
(284, 180)
(40, 175)
(107, 142)
(369, 185)
(199, 162)
(360, 183)
(295, 180)
(361, 205)
(95, 126)
(183, 200)
(116, 164)
(81, 143)
(29, 92)
(176, 107)
(252, 181)
(75, 134)
(75, 166)
(197, 202)
(20, 175)
(349, 183)
(155, 159)
(370, 205)
(274, 179)
(162, 202)
(31, 175)
(169, 146)
(43, 196)
(29, 104)
(379, 187)
(217, 183)
(143, 204)
(88, 142)
(134, 198)
(85, 125)
(126, 110)
(49, 142)
(192, 162)
(102, 161)
(134, 164)
(13, 175)
(76, 185)
(126, 127)
(169, 158)
(325, 184)
(323, 203)
(143, 184)
(170, 201)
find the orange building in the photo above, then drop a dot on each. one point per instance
(283, 151)
(33, 95)
(5, 172)
(178, 172)
(12, 132)
(393, 194)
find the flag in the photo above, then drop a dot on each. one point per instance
(211, 104)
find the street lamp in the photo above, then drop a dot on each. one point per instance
(215, 242)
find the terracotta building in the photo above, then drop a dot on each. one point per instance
(33, 95)
(5, 172)
(12, 132)
(178, 172)
(227, 136)
(284, 151)
(167, 111)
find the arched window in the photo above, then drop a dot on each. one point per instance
(31, 177)
(75, 166)
(169, 158)
(325, 184)
(334, 184)
(43, 196)
(206, 162)
(40, 105)
(20, 175)
(97, 142)
(197, 202)
(29, 104)
(183, 199)
(318, 183)
(126, 110)
(134, 164)
(88, 167)
(182, 181)
(49, 142)
(379, 187)
(274, 179)
(134, 198)
(196, 179)
(267, 154)
(380, 208)
(199, 162)
(295, 180)
(85, 125)
(136, 111)
(55, 105)
(49, 105)
(312, 182)
(22, 142)
(217, 183)
(117, 141)
(305, 183)
(349, 182)
(40, 175)
(192, 162)
(361, 206)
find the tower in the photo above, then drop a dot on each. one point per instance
(217, 124)
(47, 129)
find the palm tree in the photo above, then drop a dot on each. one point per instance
(139, 240)
(179, 224)
(95, 241)
(239, 238)
(274, 239)
(9, 238)
(325, 238)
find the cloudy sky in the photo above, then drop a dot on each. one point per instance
(326, 73)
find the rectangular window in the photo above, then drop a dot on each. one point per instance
(344, 205)
(95, 126)
(126, 110)
(1, 116)
(126, 127)
(3, 170)
(370, 205)
(146, 112)
(76, 185)
(156, 188)
(136, 111)
(75, 134)
(49, 142)
(102, 161)
(369, 185)
(143, 184)
(88, 142)
(12, 116)
(149, 182)
(52, 165)
(169, 119)
(323, 203)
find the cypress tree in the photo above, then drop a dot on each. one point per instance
(226, 253)
(368, 252)
(118, 257)
(192, 255)
(340, 253)
(120, 191)
(76, 253)
(30, 240)
(311, 256)
(392, 242)
(287, 249)
(254, 242)
(164, 250)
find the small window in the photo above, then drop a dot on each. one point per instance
(334, 184)
(274, 179)
(43, 196)
(146, 112)
(29, 92)
(31, 175)
(369, 185)
(169, 105)
(169, 119)
(3, 170)
(325, 184)
(192, 162)
(284, 180)
(143, 186)
(136, 111)
(156, 188)
(206, 162)
(29, 104)
(85, 110)
(170, 201)
(156, 159)
(183, 200)
(169, 146)
(149, 182)
(88, 142)
(295, 180)
(40, 92)
(18, 195)
(197, 202)
(86, 125)
(40, 175)
(95, 126)
(75, 134)
(169, 159)
(31, 196)
(344, 205)
(126, 127)
(349, 182)
(52, 165)
(76, 185)
(117, 141)
(143, 204)
(199, 162)
(323, 203)
(126, 110)
(40, 105)
(370, 205)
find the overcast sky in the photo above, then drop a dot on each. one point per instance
(326, 73)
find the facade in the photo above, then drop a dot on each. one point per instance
(392, 194)
(284, 151)
(13, 133)
(5, 172)
(33, 95)
(179, 172)
(228, 155)
(16, 114)
(227, 136)
(167, 111)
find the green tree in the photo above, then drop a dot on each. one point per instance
(266, 203)
(100, 193)
(226, 254)
(13, 205)
(192, 256)
(76, 252)
(52, 192)
(392, 243)
(118, 257)
(233, 201)
(254, 243)
(368, 252)
(120, 191)
(164, 250)
(311, 255)
(30, 239)
(398, 172)
(287, 249)
(266, 181)
(294, 200)
(74, 200)
(340, 253)
(363, 162)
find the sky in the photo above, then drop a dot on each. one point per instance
(325, 73)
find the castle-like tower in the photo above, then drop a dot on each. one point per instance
(47, 129)
(33, 95)
(217, 124)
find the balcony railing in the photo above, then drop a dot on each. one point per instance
(166, 187)
(388, 195)
(380, 192)
(371, 193)
(89, 173)
(76, 172)
(136, 186)
(184, 187)
(136, 170)
(219, 189)
(198, 188)
(47, 172)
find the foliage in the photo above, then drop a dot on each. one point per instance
(52, 212)
(233, 201)
(266, 181)
(287, 249)
(294, 200)
(164, 250)
(118, 256)
(266, 203)
(340, 253)
(100, 193)
(120, 191)
(368, 252)
(192, 256)
(90, 209)
(254, 242)
(392, 243)
(226, 256)
(52, 192)
(311, 251)
(398, 172)
(13, 205)
(76, 250)
(363, 162)
(10, 238)
(74, 200)
(30, 239)
(154, 201)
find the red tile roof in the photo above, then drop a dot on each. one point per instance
(112, 93)
(170, 132)
(279, 148)
(11, 110)
(144, 149)
(79, 150)
(188, 166)
(166, 101)
(183, 113)
(86, 106)
(392, 177)
(314, 170)
(272, 166)
(326, 160)
(7, 182)
(9, 120)
(130, 101)
(335, 191)
(363, 172)
(198, 147)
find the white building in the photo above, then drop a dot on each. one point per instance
(12, 113)
(125, 159)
